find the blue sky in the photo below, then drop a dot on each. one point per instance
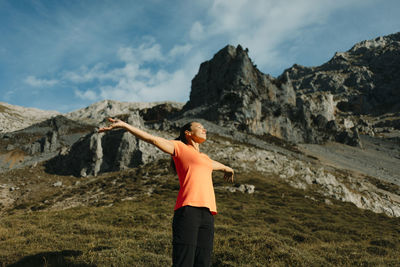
(65, 55)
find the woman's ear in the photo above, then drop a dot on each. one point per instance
(188, 133)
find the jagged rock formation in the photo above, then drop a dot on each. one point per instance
(97, 153)
(364, 80)
(231, 91)
(76, 148)
(39, 142)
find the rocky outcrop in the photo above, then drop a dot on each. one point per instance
(97, 153)
(232, 92)
(363, 80)
(160, 112)
(77, 148)
(39, 142)
(243, 188)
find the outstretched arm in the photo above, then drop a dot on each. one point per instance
(228, 176)
(163, 144)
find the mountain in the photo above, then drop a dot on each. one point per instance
(315, 152)
(231, 91)
(364, 80)
(296, 127)
(355, 92)
(14, 118)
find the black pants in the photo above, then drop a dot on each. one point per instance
(193, 237)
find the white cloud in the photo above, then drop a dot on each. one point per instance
(197, 31)
(178, 50)
(146, 52)
(86, 95)
(135, 81)
(84, 74)
(35, 82)
(161, 86)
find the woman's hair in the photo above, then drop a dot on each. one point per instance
(182, 138)
(182, 135)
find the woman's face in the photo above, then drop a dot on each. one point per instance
(198, 133)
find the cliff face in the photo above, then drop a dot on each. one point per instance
(96, 153)
(232, 80)
(332, 102)
(231, 91)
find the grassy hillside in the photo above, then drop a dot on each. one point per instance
(276, 226)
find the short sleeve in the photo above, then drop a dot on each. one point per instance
(176, 148)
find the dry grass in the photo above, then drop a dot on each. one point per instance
(277, 226)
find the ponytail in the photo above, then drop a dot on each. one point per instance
(182, 138)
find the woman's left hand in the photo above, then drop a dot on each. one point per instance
(228, 174)
(228, 171)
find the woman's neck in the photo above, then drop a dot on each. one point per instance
(194, 144)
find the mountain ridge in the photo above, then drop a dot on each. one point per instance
(13, 118)
(270, 121)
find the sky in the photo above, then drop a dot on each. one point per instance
(66, 55)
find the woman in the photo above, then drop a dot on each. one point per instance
(193, 222)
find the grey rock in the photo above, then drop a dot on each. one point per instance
(57, 184)
(98, 112)
(297, 106)
(96, 153)
(230, 91)
(243, 188)
(42, 141)
(363, 80)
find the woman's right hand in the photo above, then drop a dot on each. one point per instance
(117, 123)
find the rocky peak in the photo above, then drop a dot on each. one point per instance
(230, 90)
(219, 75)
(389, 42)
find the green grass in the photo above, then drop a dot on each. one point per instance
(276, 226)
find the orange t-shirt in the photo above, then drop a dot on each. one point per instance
(195, 177)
